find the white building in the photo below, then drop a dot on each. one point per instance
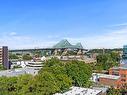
(81, 91)
(20, 71)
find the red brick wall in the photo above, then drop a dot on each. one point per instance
(109, 82)
(122, 74)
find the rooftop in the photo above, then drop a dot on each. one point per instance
(19, 71)
(81, 91)
(107, 76)
(123, 66)
(104, 89)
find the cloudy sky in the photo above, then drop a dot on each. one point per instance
(42, 23)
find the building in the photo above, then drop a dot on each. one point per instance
(81, 91)
(102, 88)
(124, 55)
(120, 71)
(4, 58)
(20, 71)
(106, 80)
(125, 52)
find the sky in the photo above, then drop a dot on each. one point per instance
(43, 23)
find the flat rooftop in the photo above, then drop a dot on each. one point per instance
(106, 76)
(20, 71)
(123, 66)
(80, 91)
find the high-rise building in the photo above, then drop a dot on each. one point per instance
(124, 55)
(125, 52)
(4, 58)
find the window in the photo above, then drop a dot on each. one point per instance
(123, 75)
(123, 80)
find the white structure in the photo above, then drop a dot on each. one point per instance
(43, 58)
(21, 63)
(124, 61)
(81, 91)
(24, 64)
(20, 71)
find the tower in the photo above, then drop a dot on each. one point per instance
(4, 59)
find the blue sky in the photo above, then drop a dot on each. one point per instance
(42, 23)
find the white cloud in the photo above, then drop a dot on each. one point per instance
(53, 36)
(112, 39)
(21, 42)
(118, 25)
(13, 34)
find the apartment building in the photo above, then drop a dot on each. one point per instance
(4, 58)
(122, 72)
(106, 80)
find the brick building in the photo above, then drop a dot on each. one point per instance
(106, 80)
(122, 72)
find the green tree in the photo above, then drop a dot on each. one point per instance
(1, 67)
(52, 62)
(58, 71)
(46, 84)
(37, 53)
(23, 83)
(13, 56)
(54, 77)
(26, 57)
(108, 60)
(79, 72)
(8, 85)
(113, 91)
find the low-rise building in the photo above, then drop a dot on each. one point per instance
(120, 71)
(107, 80)
(102, 88)
(20, 71)
(81, 91)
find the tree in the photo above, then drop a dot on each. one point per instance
(57, 70)
(37, 53)
(54, 77)
(22, 85)
(108, 60)
(113, 91)
(8, 85)
(79, 72)
(26, 57)
(13, 56)
(1, 67)
(46, 84)
(115, 56)
(52, 62)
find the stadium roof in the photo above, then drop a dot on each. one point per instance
(66, 44)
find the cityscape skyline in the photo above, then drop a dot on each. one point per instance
(30, 24)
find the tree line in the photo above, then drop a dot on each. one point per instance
(107, 61)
